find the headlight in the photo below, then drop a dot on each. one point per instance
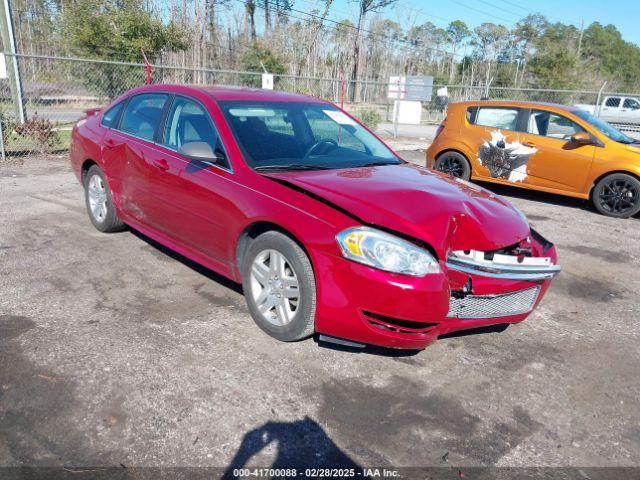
(386, 252)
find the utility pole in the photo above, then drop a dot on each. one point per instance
(13, 70)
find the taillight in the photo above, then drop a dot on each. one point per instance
(440, 128)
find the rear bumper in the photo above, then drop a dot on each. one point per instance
(369, 306)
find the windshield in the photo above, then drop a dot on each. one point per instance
(302, 136)
(611, 132)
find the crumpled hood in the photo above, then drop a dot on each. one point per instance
(446, 213)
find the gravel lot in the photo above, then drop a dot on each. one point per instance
(115, 351)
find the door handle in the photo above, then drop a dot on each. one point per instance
(110, 144)
(161, 164)
(529, 144)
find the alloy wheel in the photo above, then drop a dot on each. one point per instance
(451, 165)
(618, 196)
(97, 193)
(274, 287)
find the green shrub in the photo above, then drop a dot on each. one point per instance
(371, 118)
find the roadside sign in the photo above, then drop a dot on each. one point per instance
(419, 88)
(267, 81)
(396, 87)
(412, 87)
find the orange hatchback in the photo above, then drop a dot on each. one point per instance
(541, 146)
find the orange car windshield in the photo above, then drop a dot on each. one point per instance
(604, 127)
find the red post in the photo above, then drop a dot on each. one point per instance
(147, 67)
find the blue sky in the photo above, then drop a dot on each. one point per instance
(624, 14)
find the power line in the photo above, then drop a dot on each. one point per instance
(344, 25)
(509, 22)
(532, 12)
(502, 10)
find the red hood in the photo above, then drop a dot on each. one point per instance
(446, 213)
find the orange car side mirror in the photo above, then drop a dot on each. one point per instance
(581, 137)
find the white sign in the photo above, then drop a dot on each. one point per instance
(443, 92)
(408, 112)
(396, 87)
(3, 66)
(267, 81)
(339, 117)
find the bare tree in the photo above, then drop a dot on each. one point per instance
(364, 7)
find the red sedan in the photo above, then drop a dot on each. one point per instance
(327, 229)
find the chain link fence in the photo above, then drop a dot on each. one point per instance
(57, 91)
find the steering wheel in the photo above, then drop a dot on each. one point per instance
(324, 141)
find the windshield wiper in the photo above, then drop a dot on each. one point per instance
(302, 166)
(377, 164)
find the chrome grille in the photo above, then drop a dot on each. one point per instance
(492, 306)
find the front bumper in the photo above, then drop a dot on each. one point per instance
(366, 305)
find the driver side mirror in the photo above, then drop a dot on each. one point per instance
(582, 138)
(202, 152)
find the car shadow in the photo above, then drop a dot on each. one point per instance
(210, 274)
(298, 444)
(543, 197)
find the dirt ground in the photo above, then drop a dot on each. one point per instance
(115, 351)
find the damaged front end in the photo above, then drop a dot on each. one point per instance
(516, 263)
(504, 283)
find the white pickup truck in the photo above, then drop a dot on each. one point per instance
(616, 109)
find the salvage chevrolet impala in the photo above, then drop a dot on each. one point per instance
(327, 229)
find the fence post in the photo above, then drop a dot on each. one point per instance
(2, 153)
(13, 68)
(598, 107)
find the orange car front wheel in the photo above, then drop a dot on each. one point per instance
(617, 195)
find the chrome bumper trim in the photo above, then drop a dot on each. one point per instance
(504, 271)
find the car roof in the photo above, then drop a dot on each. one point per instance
(224, 93)
(517, 103)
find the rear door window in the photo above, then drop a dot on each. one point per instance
(502, 118)
(552, 125)
(142, 115)
(612, 102)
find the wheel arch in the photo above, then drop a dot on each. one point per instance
(606, 174)
(256, 228)
(84, 168)
(456, 150)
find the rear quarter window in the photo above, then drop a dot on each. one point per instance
(497, 117)
(111, 116)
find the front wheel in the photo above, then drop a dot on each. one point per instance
(454, 164)
(617, 195)
(279, 287)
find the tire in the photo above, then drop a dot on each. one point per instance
(454, 164)
(263, 279)
(617, 195)
(99, 202)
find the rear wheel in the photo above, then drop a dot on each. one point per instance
(279, 287)
(454, 164)
(102, 211)
(617, 195)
